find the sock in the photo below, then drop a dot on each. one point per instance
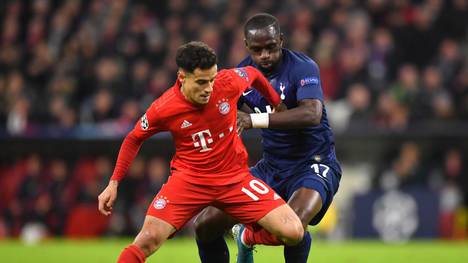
(132, 254)
(299, 252)
(250, 238)
(215, 251)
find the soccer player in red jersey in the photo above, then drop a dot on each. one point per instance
(210, 164)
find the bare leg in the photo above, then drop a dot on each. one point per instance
(283, 223)
(153, 233)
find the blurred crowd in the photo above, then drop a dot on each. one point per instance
(73, 63)
(410, 166)
(61, 195)
(58, 195)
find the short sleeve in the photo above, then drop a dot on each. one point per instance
(307, 81)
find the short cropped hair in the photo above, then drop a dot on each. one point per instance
(194, 55)
(260, 21)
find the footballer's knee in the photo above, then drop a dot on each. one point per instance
(211, 223)
(202, 229)
(294, 234)
(305, 216)
(153, 233)
(149, 241)
(306, 204)
(290, 231)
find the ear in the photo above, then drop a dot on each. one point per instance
(246, 43)
(281, 39)
(181, 75)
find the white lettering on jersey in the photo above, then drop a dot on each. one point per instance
(201, 141)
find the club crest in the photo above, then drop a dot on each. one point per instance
(223, 106)
(161, 202)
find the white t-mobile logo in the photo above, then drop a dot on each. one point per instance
(203, 142)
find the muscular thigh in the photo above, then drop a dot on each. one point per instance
(310, 192)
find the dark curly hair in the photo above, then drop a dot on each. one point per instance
(194, 55)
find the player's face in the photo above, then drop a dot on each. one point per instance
(198, 85)
(264, 46)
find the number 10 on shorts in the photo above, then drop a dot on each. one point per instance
(258, 187)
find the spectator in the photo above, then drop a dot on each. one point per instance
(75, 50)
(405, 170)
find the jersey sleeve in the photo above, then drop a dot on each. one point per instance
(147, 126)
(249, 76)
(307, 81)
(240, 102)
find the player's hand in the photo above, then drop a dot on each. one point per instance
(281, 107)
(243, 121)
(107, 197)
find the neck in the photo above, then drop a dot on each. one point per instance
(182, 90)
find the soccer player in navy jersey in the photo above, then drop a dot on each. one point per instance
(299, 160)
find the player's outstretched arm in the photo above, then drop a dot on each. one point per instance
(128, 151)
(260, 83)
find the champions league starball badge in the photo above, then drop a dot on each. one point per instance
(144, 123)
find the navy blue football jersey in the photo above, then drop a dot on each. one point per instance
(295, 79)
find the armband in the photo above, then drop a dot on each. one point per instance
(260, 120)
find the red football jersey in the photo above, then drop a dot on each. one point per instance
(208, 149)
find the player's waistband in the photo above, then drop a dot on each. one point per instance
(211, 179)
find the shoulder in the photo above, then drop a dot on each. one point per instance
(165, 103)
(302, 68)
(247, 61)
(298, 60)
(240, 73)
(226, 80)
(224, 76)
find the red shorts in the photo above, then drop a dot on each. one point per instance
(247, 201)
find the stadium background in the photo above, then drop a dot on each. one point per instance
(76, 75)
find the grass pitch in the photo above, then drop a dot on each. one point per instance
(183, 250)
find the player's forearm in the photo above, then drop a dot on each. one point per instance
(128, 151)
(295, 118)
(113, 183)
(308, 113)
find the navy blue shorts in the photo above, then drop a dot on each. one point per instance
(321, 177)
